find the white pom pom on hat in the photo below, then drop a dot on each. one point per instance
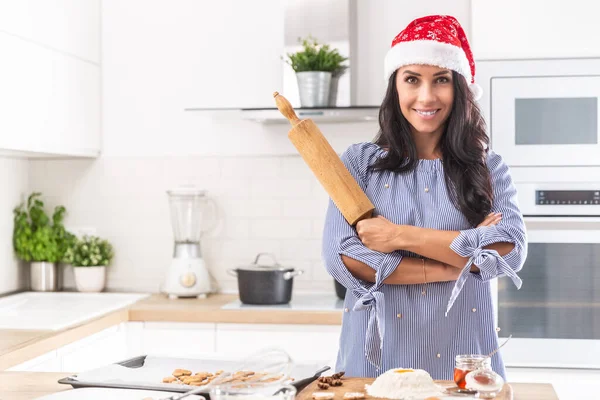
(434, 40)
(476, 90)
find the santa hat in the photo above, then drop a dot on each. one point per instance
(434, 40)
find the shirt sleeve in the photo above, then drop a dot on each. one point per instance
(511, 228)
(340, 238)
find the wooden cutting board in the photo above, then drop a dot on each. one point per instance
(358, 385)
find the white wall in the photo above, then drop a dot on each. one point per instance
(379, 22)
(14, 184)
(534, 29)
(160, 57)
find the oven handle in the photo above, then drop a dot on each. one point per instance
(562, 218)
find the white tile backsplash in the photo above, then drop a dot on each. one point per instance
(266, 204)
(285, 228)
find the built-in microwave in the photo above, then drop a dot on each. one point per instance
(543, 112)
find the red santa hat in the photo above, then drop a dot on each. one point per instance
(434, 40)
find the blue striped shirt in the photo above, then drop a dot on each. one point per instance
(390, 326)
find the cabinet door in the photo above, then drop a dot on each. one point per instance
(304, 343)
(569, 384)
(178, 339)
(48, 362)
(71, 27)
(105, 347)
(50, 102)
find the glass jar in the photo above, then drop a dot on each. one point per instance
(466, 363)
(243, 391)
(485, 382)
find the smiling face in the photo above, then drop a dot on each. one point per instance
(426, 94)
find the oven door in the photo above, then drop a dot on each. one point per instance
(554, 319)
(546, 121)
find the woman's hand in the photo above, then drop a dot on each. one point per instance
(491, 220)
(379, 234)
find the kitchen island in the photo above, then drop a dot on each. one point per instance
(30, 385)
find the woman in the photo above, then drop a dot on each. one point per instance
(446, 217)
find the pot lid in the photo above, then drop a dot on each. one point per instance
(257, 265)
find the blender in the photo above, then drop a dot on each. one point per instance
(193, 213)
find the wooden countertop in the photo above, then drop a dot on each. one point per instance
(30, 385)
(512, 391)
(18, 346)
(160, 308)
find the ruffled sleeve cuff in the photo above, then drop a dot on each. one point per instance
(469, 243)
(374, 302)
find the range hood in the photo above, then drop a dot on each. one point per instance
(334, 22)
(273, 116)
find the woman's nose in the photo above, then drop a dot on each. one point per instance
(426, 94)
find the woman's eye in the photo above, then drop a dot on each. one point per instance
(411, 79)
(443, 80)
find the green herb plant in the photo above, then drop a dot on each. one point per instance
(36, 237)
(90, 251)
(316, 57)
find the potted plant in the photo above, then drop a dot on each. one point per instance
(41, 241)
(317, 68)
(89, 256)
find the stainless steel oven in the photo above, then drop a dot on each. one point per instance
(554, 318)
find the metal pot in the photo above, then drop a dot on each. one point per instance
(313, 88)
(265, 284)
(45, 277)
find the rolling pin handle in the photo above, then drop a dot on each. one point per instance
(286, 108)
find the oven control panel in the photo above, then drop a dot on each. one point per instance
(567, 197)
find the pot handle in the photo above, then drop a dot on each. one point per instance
(275, 263)
(289, 275)
(232, 272)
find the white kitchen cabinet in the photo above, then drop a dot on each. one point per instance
(48, 362)
(50, 102)
(304, 343)
(178, 339)
(50, 79)
(69, 26)
(102, 348)
(105, 347)
(569, 384)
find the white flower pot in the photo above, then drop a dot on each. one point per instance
(90, 279)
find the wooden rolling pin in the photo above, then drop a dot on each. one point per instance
(327, 166)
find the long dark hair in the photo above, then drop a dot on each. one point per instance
(463, 146)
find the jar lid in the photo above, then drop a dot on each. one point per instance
(484, 380)
(186, 191)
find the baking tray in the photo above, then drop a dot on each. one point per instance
(300, 382)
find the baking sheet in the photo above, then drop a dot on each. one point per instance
(147, 372)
